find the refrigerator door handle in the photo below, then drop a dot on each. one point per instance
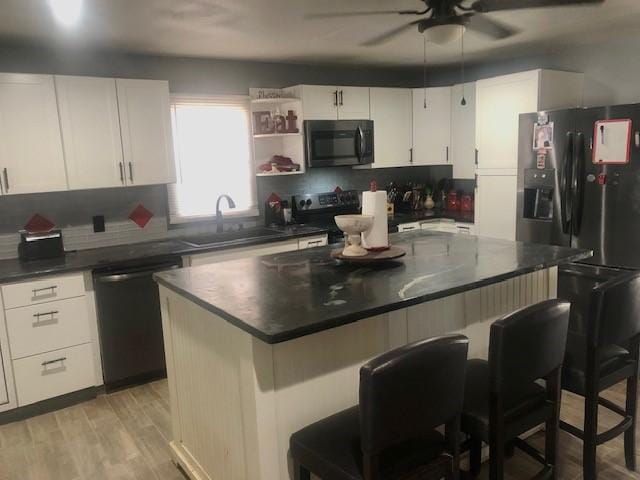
(577, 185)
(565, 194)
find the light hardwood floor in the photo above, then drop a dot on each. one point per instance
(125, 435)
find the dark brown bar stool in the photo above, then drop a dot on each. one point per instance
(405, 395)
(503, 398)
(596, 360)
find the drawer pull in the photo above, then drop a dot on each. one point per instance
(51, 290)
(39, 321)
(315, 242)
(51, 362)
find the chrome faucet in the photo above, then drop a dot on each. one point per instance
(219, 217)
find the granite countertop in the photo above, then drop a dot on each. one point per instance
(14, 270)
(399, 218)
(285, 296)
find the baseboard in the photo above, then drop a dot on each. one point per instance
(49, 405)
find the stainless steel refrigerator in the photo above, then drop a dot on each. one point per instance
(569, 196)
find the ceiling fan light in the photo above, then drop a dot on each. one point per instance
(443, 34)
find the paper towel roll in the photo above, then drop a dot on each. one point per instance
(375, 203)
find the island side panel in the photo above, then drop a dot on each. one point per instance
(472, 313)
(211, 383)
(318, 375)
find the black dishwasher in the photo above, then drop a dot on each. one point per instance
(130, 323)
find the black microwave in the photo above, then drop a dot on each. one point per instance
(336, 143)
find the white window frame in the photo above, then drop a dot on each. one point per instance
(235, 100)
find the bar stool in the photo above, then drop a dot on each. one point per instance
(405, 394)
(503, 398)
(596, 360)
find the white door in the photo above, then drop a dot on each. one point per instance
(463, 131)
(145, 123)
(31, 157)
(431, 126)
(391, 115)
(499, 103)
(496, 206)
(90, 131)
(353, 103)
(320, 102)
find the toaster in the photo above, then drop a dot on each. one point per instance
(40, 246)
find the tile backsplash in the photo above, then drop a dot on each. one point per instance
(73, 211)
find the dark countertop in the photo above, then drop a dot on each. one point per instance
(399, 218)
(13, 270)
(285, 296)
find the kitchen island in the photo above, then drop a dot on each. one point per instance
(258, 348)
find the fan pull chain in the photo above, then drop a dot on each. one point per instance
(463, 102)
(424, 71)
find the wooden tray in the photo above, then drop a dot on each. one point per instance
(372, 257)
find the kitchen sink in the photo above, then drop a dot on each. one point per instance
(210, 239)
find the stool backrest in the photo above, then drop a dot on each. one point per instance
(614, 311)
(411, 390)
(527, 345)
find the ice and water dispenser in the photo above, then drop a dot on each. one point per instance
(539, 186)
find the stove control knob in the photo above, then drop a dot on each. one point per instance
(309, 202)
(301, 203)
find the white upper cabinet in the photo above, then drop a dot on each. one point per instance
(90, 131)
(431, 126)
(463, 131)
(145, 123)
(501, 100)
(321, 102)
(391, 112)
(353, 103)
(31, 156)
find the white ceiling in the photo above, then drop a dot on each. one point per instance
(278, 30)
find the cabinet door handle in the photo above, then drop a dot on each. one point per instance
(121, 173)
(335, 98)
(51, 362)
(411, 155)
(447, 154)
(51, 290)
(341, 98)
(5, 172)
(131, 172)
(476, 157)
(40, 322)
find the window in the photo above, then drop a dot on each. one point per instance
(212, 138)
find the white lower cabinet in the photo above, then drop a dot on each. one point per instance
(408, 227)
(55, 373)
(7, 389)
(450, 226)
(46, 327)
(256, 251)
(496, 205)
(312, 242)
(48, 331)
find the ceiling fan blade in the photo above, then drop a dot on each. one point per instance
(485, 6)
(491, 27)
(312, 16)
(384, 37)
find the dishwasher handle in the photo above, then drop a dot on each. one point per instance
(123, 277)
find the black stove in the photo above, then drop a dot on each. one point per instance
(318, 210)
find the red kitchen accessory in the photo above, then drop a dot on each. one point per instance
(453, 203)
(466, 203)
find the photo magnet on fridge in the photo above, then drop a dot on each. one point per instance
(543, 136)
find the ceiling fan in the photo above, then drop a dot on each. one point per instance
(446, 20)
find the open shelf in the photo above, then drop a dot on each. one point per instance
(276, 135)
(278, 174)
(258, 101)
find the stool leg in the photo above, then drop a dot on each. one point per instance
(632, 401)
(300, 473)
(475, 457)
(552, 426)
(590, 433)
